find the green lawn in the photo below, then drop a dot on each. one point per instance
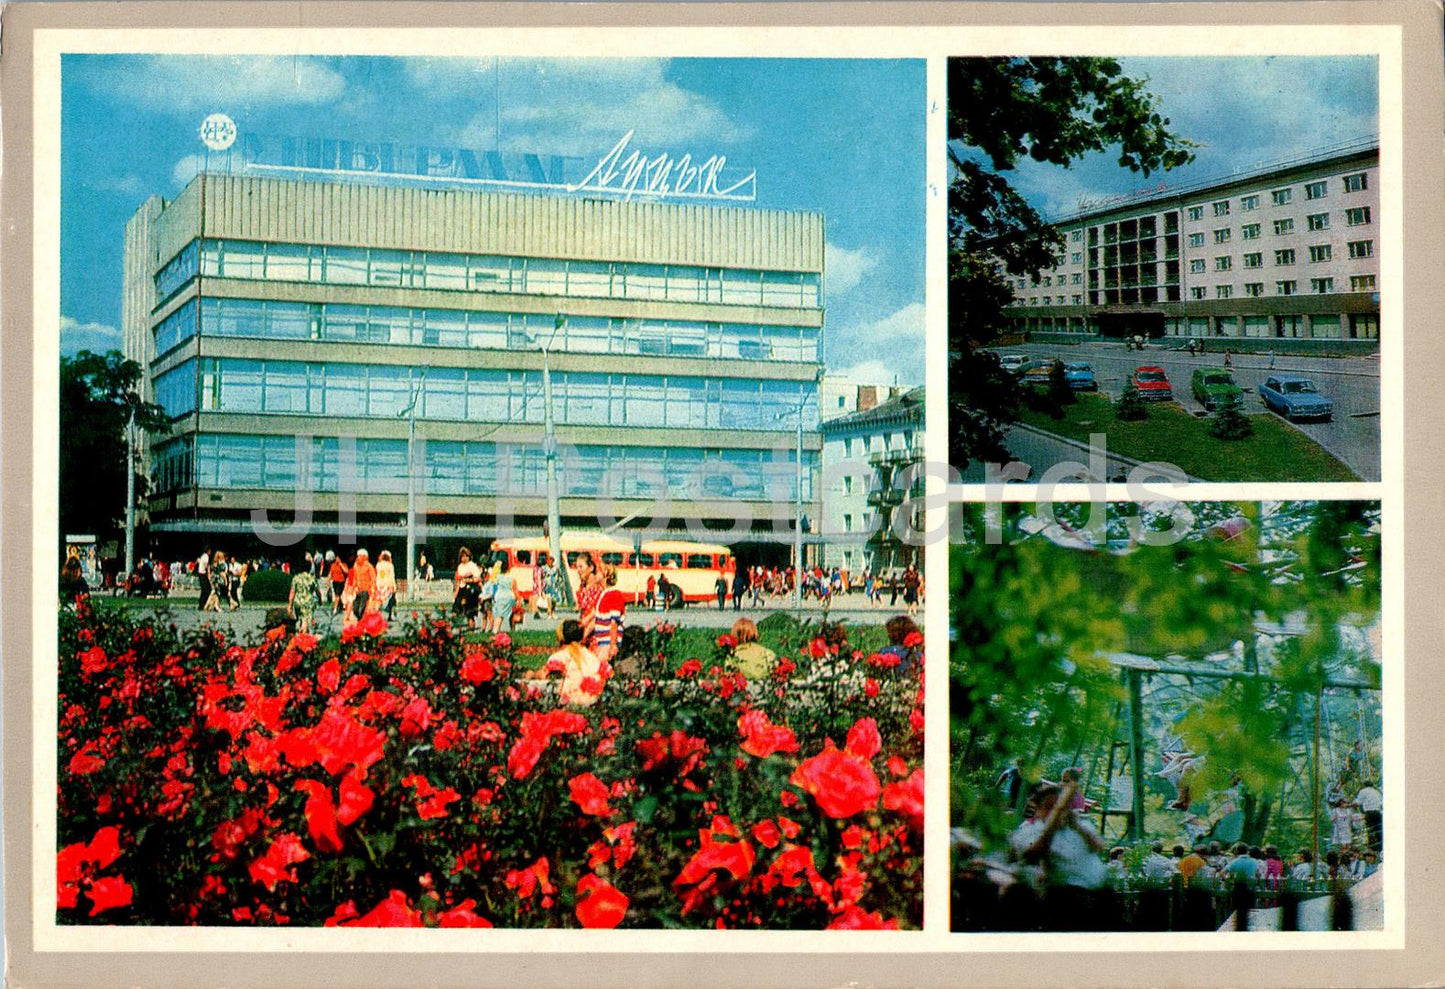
(1276, 451)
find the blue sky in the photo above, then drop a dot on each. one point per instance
(845, 138)
(1242, 111)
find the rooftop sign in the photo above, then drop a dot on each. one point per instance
(623, 172)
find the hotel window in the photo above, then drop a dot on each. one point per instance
(1284, 257)
(1248, 203)
(1285, 288)
(1196, 239)
(1281, 197)
(1223, 263)
(1362, 248)
(1320, 252)
(1254, 260)
(1221, 208)
(1196, 266)
(1047, 281)
(1356, 183)
(1076, 236)
(1221, 236)
(1362, 283)
(1250, 231)
(1077, 279)
(1197, 292)
(1316, 190)
(1283, 227)
(1254, 289)
(1078, 300)
(1196, 212)
(1318, 221)
(1358, 216)
(1223, 291)
(1322, 286)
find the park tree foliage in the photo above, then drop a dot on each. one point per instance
(1001, 111)
(99, 396)
(1035, 622)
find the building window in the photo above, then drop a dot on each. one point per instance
(1076, 236)
(1362, 248)
(1196, 239)
(1196, 212)
(1322, 286)
(847, 522)
(1223, 263)
(1316, 190)
(1197, 266)
(1047, 281)
(1078, 300)
(1285, 226)
(1077, 279)
(1362, 283)
(1281, 197)
(1254, 260)
(1254, 289)
(1197, 292)
(1356, 183)
(1221, 208)
(1221, 236)
(1223, 291)
(1358, 216)
(1320, 252)
(1285, 288)
(1318, 221)
(1284, 257)
(1248, 203)
(1250, 231)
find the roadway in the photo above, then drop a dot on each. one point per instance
(1352, 383)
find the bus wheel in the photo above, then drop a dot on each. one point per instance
(674, 597)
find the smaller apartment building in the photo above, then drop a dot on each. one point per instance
(1288, 251)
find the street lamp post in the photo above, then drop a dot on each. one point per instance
(797, 411)
(130, 493)
(549, 448)
(410, 413)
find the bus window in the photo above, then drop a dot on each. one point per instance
(699, 561)
(615, 559)
(643, 560)
(669, 560)
(522, 557)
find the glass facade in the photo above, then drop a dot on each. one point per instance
(223, 460)
(256, 319)
(332, 265)
(237, 385)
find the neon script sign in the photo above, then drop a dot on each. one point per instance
(628, 172)
(622, 172)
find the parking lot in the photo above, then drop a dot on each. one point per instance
(1352, 383)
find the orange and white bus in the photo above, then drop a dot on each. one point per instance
(692, 569)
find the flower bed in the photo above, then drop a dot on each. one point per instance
(418, 783)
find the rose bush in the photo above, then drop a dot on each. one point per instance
(420, 782)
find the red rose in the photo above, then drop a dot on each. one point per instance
(864, 742)
(726, 641)
(767, 833)
(275, 865)
(590, 794)
(394, 911)
(913, 640)
(328, 676)
(599, 903)
(108, 893)
(320, 816)
(690, 668)
(855, 918)
(462, 915)
(761, 738)
(841, 784)
(476, 668)
(907, 799)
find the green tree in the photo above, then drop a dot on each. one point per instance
(99, 396)
(1131, 407)
(1230, 422)
(1001, 110)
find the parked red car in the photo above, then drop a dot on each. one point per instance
(1152, 383)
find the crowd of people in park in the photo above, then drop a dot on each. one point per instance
(1055, 847)
(760, 586)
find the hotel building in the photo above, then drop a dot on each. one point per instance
(1285, 252)
(292, 328)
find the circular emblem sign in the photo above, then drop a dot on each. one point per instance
(218, 132)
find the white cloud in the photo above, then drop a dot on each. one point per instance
(882, 351)
(867, 373)
(76, 336)
(127, 185)
(186, 84)
(583, 106)
(844, 269)
(187, 168)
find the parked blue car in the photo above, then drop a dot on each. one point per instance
(1080, 376)
(1295, 397)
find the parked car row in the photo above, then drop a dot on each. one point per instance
(1290, 395)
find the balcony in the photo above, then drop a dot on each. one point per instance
(885, 498)
(897, 457)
